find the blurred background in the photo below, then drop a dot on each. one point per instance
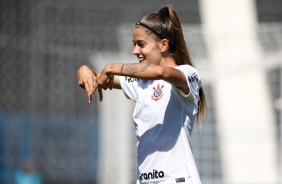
(50, 134)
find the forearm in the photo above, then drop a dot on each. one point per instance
(137, 70)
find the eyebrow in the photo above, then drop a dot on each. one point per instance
(138, 41)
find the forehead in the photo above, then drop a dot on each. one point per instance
(141, 33)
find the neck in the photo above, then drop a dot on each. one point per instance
(168, 62)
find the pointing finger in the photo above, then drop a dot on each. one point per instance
(88, 92)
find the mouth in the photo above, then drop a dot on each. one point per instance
(141, 60)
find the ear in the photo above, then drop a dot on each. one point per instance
(164, 45)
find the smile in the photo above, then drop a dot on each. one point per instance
(141, 59)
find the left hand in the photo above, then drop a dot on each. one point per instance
(105, 80)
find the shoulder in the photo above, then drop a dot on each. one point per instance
(190, 72)
(186, 68)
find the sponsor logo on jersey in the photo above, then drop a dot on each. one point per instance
(132, 79)
(151, 175)
(193, 77)
(158, 92)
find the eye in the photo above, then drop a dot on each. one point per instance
(141, 44)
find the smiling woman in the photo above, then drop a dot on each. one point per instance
(168, 99)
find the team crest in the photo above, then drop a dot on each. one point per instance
(158, 92)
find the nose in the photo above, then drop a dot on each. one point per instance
(136, 50)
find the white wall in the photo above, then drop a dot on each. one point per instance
(245, 119)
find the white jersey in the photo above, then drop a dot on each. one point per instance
(164, 118)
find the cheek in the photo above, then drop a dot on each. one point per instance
(156, 53)
(152, 53)
(153, 50)
(154, 57)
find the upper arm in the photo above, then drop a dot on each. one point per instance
(177, 78)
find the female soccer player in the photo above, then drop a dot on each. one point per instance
(168, 95)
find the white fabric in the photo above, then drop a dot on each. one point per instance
(164, 118)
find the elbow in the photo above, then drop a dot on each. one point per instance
(161, 73)
(158, 74)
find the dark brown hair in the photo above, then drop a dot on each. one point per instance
(167, 25)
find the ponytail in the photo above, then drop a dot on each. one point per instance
(201, 106)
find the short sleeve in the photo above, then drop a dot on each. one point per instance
(193, 81)
(129, 87)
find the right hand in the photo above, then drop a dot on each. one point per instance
(87, 79)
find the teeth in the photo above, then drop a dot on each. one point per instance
(141, 59)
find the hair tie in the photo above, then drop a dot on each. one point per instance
(164, 11)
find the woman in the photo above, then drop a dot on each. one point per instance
(168, 96)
